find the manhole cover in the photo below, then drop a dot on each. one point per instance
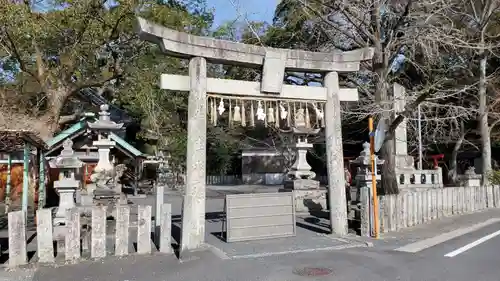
(313, 271)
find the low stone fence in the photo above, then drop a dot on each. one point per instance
(420, 178)
(76, 240)
(410, 208)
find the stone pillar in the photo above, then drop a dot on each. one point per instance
(403, 161)
(193, 208)
(364, 185)
(103, 148)
(335, 156)
(400, 133)
(160, 185)
(366, 203)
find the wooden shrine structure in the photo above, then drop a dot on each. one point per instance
(20, 151)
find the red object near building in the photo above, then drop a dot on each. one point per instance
(436, 158)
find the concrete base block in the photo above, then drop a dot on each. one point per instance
(307, 200)
(195, 254)
(263, 179)
(302, 184)
(138, 196)
(86, 200)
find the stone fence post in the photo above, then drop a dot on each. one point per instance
(364, 185)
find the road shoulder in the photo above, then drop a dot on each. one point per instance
(433, 229)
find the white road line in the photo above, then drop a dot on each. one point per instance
(433, 241)
(472, 245)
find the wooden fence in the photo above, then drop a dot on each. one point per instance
(75, 239)
(237, 180)
(223, 179)
(412, 208)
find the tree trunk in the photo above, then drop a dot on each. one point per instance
(49, 122)
(380, 62)
(389, 177)
(483, 117)
(452, 172)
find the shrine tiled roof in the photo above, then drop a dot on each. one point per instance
(82, 125)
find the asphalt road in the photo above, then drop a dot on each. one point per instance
(471, 256)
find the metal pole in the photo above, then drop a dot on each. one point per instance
(419, 139)
(374, 179)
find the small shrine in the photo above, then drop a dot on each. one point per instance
(105, 159)
(87, 131)
(265, 164)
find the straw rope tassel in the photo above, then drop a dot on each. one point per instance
(243, 114)
(230, 117)
(317, 115)
(214, 111)
(210, 109)
(323, 119)
(308, 119)
(294, 114)
(265, 114)
(277, 116)
(288, 116)
(270, 113)
(252, 115)
(237, 112)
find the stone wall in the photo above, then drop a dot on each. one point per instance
(410, 208)
(75, 242)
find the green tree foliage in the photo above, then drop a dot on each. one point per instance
(54, 50)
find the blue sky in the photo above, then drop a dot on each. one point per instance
(257, 10)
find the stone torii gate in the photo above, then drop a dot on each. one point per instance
(273, 62)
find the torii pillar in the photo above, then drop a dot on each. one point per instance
(193, 207)
(335, 156)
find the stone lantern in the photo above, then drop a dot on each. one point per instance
(363, 177)
(104, 126)
(66, 185)
(102, 186)
(300, 175)
(300, 179)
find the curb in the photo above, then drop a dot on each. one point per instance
(350, 240)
